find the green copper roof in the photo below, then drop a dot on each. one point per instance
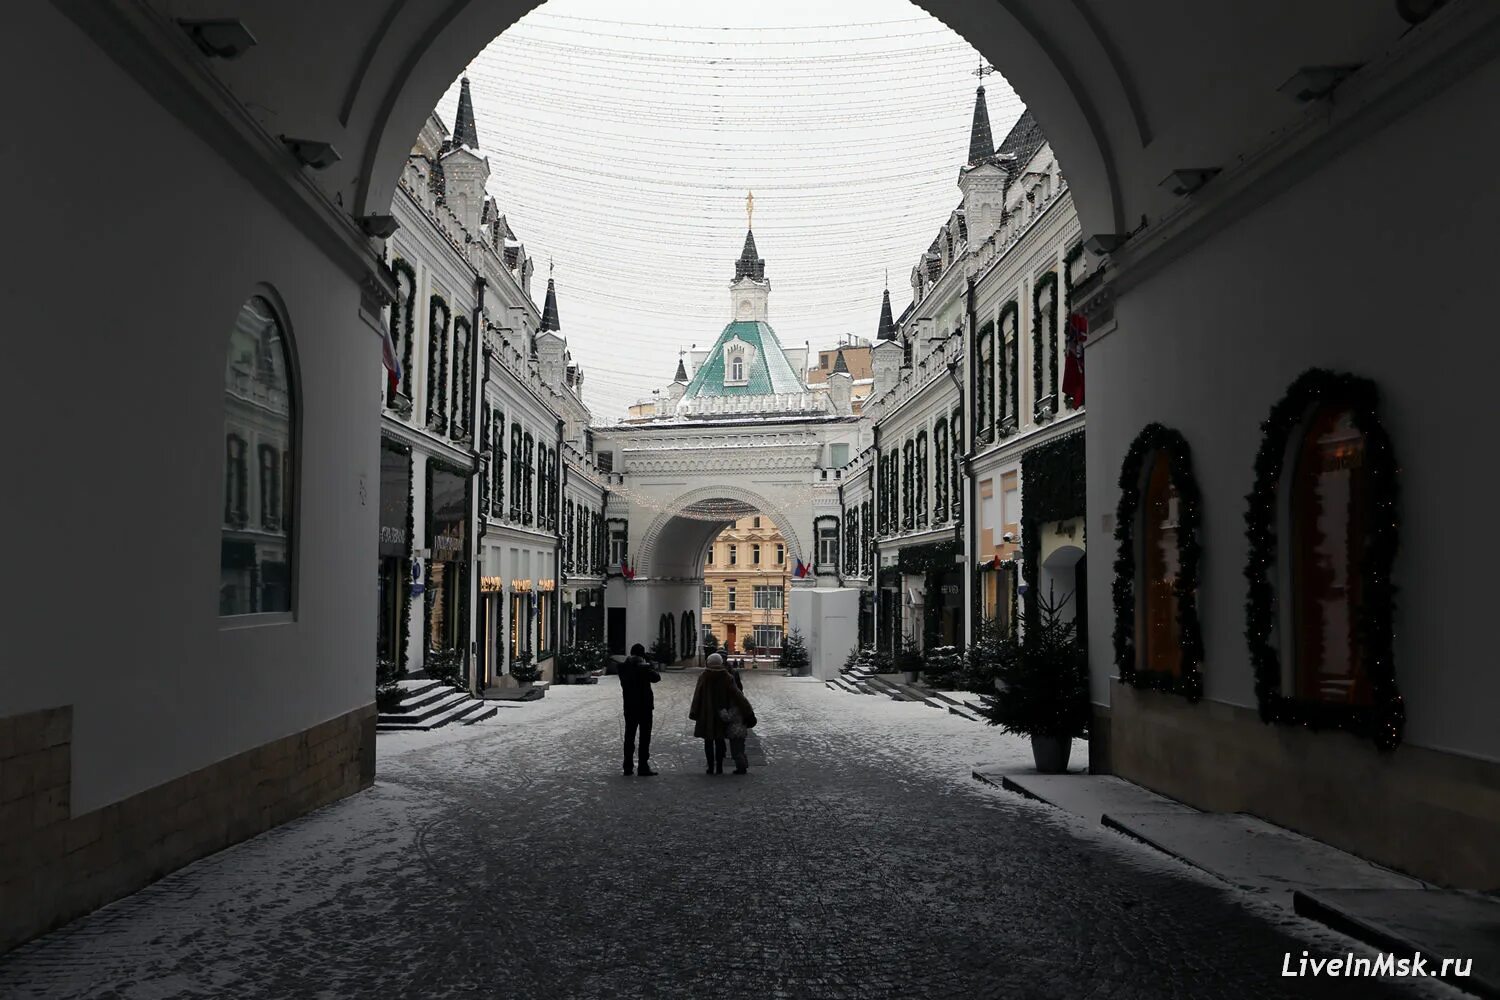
(769, 371)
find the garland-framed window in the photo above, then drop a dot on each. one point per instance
(941, 465)
(866, 541)
(403, 323)
(528, 477)
(908, 501)
(438, 319)
(1072, 257)
(922, 477)
(1158, 642)
(1044, 347)
(1009, 407)
(955, 491)
(984, 385)
(1327, 542)
(497, 464)
(882, 473)
(463, 353)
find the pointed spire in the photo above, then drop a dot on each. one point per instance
(887, 328)
(549, 307)
(681, 375)
(750, 264)
(981, 142)
(464, 132)
(840, 366)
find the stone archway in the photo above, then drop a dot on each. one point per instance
(687, 536)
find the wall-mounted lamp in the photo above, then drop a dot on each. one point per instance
(1101, 244)
(1186, 181)
(1313, 82)
(381, 227)
(312, 152)
(220, 38)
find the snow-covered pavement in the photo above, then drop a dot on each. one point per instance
(511, 859)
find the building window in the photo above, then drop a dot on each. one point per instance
(709, 561)
(766, 636)
(780, 554)
(1329, 516)
(605, 461)
(828, 544)
(984, 383)
(734, 555)
(618, 548)
(736, 367)
(255, 563)
(708, 597)
(908, 500)
(921, 486)
(940, 478)
(838, 455)
(755, 553)
(755, 522)
(528, 476)
(768, 597)
(731, 601)
(517, 471)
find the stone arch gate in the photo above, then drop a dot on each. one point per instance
(677, 484)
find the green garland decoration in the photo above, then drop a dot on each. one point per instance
(1384, 721)
(1008, 401)
(1052, 478)
(1046, 283)
(437, 363)
(921, 559)
(462, 334)
(1155, 438)
(403, 319)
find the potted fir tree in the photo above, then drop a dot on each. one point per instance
(909, 660)
(794, 659)
(1043, 687)
(525, 672)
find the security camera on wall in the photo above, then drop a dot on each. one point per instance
(1008, 537)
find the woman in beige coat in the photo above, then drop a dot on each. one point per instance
(719, 709)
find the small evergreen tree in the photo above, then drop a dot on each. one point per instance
(794, 659)
(524, 670)
(710, 643)
(387, 691)
(944, 667)
(1044, 679)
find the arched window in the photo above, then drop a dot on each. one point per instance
(1329, 510)
(255, 556)
(736, 367)
(1322, 532)
(984, 384)
(1158, 642)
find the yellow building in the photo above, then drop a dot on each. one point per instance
(745, 576)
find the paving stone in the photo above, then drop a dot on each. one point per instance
(858, 859)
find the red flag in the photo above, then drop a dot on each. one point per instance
(627, 571)
(995, 562)
(1072, 383)
(388, 356)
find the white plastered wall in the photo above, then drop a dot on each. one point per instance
(1381, 264)
(140, 246)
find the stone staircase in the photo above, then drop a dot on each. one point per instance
(862, 680)
(430, 704)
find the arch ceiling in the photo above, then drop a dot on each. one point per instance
(1126, 92)
(674, 543)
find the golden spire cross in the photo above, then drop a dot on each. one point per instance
(749, 210)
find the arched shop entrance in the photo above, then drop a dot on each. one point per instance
(1242, 218)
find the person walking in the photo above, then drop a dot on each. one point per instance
(720, 710)
(636, 677)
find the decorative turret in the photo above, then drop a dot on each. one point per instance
(464, 170)
(678, 387)
(551, 349)
(841, 385)
(749, 292)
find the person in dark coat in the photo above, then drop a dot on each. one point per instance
(636, 677)
(720, 709)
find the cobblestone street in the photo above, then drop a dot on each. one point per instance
(858, 859)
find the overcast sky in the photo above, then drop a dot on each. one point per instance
(623, 136)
